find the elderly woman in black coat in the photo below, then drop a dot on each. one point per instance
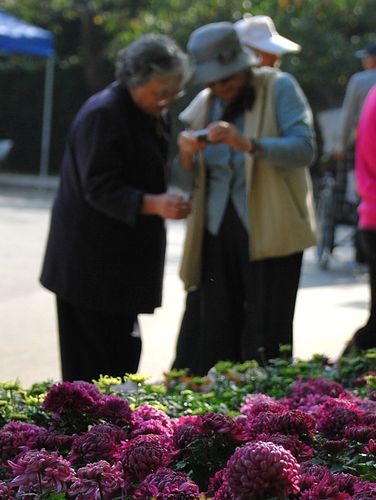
(106, 247)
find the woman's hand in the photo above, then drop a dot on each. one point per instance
(189, 145)
(222, 131)
(166, 205)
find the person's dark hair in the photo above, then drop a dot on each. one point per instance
(150, 56)
(243, 101)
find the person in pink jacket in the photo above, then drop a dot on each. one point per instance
(365, 171)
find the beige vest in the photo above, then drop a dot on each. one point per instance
(280, 204)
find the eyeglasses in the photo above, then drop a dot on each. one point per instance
(222, 81)
(165, 97)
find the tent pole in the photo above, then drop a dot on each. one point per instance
(47, 115)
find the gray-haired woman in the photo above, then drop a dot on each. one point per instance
(105, 251)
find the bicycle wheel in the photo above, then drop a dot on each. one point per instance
(325, 212)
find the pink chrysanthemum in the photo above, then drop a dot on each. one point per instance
(97, 481)
(114, 409)
(100, 442)
(257, 403)
(16, 437)
(70, 396)
(145, 454)
(261, 469)
(335, 416)
(149, 420)
(166, 484)
(40, 469)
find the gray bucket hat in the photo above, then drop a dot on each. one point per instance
(216, 53)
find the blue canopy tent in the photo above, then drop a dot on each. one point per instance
(18, 37)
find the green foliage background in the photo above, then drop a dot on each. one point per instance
(90, 32)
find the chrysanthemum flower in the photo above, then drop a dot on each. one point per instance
(166, 484)
(261, 469)
(53, 441)
(257, 403)
(145, 454)
(97, 480)
(100, 442)
(149, 420)
(39, 469)
(300, 450)
(6, 492)
(16, 437)
(114, 409)
(70, 396)
(335, 416)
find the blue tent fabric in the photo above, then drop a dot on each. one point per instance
(18, 37)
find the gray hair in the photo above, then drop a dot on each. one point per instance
(150, 56)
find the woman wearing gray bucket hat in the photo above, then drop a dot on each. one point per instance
(252, 201)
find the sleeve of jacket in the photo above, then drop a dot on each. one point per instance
(102, 164)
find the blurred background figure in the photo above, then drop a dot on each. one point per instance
(259, 34)
(252, 211)
(365, 171)
(356, 91)
(106, 247)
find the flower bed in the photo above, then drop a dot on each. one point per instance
(302, 429)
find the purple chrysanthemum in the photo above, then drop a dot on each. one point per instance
(166, 484)
(16, 437)
(300, 450)
(145, 454)
(100, 442)
(114, 409)
(361, 433)
(37, 470)
(53, 441)
(6, 492)
(97, 480)
(70, 396)
(262, 469)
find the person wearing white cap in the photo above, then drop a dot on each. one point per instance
(259, 34)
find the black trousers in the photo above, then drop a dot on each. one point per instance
(94, 343)
(366, 336)
(246, 308)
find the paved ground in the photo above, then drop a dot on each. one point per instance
(331, 304)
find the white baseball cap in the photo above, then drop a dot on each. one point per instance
(259, 32)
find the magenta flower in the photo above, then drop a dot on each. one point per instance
(257, 403)
(114, 409)
(37, 471)
(149, 420)
(16, 437)
(300, 450)
(166, 484)
(362, 433)
(101, 442)
(97, 481)
(261, 469)
(336, 415)
(71, 396)
(145, 454)
(6, 491)
(53, 441)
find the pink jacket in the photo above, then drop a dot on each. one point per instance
(365, 162)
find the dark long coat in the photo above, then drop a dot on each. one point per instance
(101, 252)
